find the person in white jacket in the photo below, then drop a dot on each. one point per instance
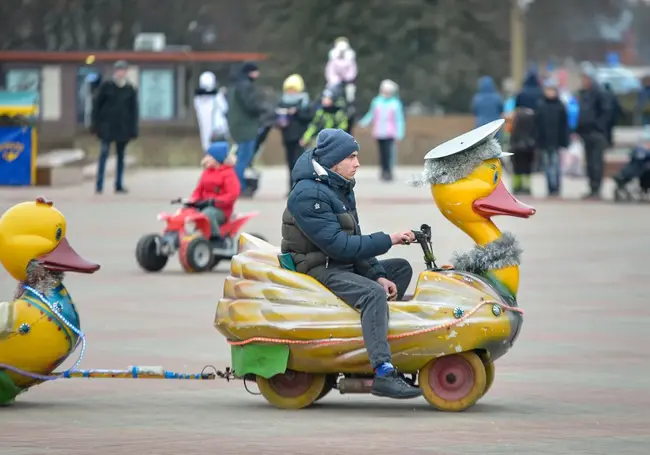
(211, 108)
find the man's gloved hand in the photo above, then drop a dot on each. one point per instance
(402, 238)
(389, 287)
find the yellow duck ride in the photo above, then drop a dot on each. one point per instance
(298, 341)
(39, 329)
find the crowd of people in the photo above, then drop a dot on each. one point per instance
(549, 128)
(298, 118)
(545, 122)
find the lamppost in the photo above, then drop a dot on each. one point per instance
(518, 39)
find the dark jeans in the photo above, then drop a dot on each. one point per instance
(292, 151)
(386, 156)
(551, 160)
(245, 153)
(369, 298)
(595, 145)
(104, 150)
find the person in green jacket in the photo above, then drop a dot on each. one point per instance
(244, 111)
(330, 115)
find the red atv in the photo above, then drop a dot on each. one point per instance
(188, 232)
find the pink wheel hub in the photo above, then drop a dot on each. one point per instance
(291, 384)
(451, 377)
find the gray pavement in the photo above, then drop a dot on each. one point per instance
(577, 381)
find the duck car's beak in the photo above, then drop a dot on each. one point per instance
(501, 202)
(64, 259)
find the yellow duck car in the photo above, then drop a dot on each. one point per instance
(299, 341)
(40, 327)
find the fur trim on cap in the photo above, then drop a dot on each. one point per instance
(454, 167)
(503, 252)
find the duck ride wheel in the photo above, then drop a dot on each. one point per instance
(292, 389)
(489, 371)
(453, 382)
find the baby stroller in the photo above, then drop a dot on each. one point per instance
(633, 181)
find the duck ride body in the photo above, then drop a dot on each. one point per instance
(298, 341)
(39, 327)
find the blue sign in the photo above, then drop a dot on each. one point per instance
(16, 160)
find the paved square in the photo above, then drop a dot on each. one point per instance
(577, 381)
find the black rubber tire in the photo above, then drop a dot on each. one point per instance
(193, 248)
(214, 262)
(145, 254)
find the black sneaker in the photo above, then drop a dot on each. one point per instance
(121, 191)
(393, 385)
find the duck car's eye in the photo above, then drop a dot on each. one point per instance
(496, 177)
(59, 233)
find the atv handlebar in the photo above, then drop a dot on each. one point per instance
(423, 237)
(199, 205)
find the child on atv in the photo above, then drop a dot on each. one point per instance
(218, 186)
(329, 115)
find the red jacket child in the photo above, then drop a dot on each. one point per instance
(218, 182)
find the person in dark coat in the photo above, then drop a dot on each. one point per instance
(115, 118)
(244, 111)
(321, 233)
(592, 128)
(529, 97)
(294, 113)
(531, 93)
(614, 108)
(552, 134)
(523, 141)
(487, 104)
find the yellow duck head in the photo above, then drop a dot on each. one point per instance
(36, 231)
(465, 179)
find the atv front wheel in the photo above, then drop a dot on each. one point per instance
(195, 255)
(146, 253)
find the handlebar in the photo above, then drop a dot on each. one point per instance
(423, 237)
(199, 205)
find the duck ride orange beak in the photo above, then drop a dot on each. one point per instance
(501, 202)
(64, 259)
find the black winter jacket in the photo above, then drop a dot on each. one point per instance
(320, 226)
(115, 112)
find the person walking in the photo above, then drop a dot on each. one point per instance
(487, 104)
(552, 135)
(244, 111)
(340, 73)
(293, 115)
(115, 118)
(592, 128)
(211, 107)
(386, 114)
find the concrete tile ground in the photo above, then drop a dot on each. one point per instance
(575, 383)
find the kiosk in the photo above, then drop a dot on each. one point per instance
(18, 139)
